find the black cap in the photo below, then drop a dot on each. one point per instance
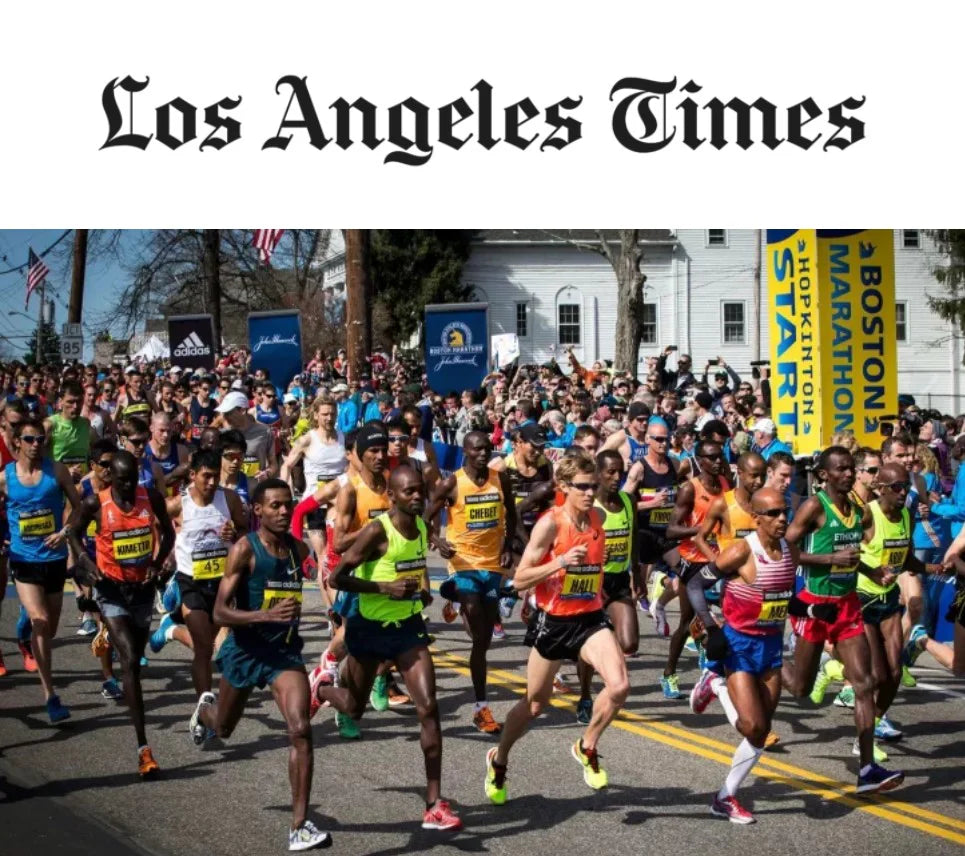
(704, 399)
(533, 433)
(638, 408)
(369, 436)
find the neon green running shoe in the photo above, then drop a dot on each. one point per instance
(348, 728)
(495, 784)
(821, 681)
(907, 678)
(835, 670)
(593, 774)
(379, 697)
(880, 755)
(845, 698)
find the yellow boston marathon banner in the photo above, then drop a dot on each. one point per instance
(833, 338)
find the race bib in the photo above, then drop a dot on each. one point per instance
(893, 553)
(324, 480)
(276, 592)
(37, 524)
(617, 545)
(841, 541)
(92, 529)
(209, 564)
(77, 466)
(581, 582)
(660, 516)
(133, 546)
(774, 607)
(414, 569)
(250, 466)
(482, 511)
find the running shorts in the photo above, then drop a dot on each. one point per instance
(956, 609)
(244, 669)
(562, 638)
(486, 584)
(125, 600)
(198, 595)
(752, 653)
(50, 575)
(373, 640)
(652, 546)
(875, 608)
(849, 621)
(616, 587)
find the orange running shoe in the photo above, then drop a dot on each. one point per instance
(100, 644)
(3, 667)
(449, 612)
(396, 696)
(772, 739)
(29, 663)
(146, 765)
(484, 721)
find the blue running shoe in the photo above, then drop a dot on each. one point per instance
(159, 638)
(145, 662)
(690, 646)
(917, 640)
(23, 626)
(171, 599)
(884, 730)
(55, 710)
(584, 711)
(878, 779)
(111, 689)
(670, 686)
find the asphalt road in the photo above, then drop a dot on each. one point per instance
(72, 789)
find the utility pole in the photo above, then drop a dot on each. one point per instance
(75, 309)
(212, 278)
(40, 349)
(756, 300)
(357, 313)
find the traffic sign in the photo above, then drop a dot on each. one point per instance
(71, 347)
(72, 331)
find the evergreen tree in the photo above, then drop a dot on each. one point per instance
(49, 346)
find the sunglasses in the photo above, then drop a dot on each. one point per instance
(103, 464)
(137, 441)
(717, 457)
(872, 470)
(30, 439)
(773, 512)
(585, 487)
(898, 487)
(231, 456)
(659, 439)
(398, 438)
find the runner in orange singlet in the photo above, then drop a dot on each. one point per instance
(564, 562)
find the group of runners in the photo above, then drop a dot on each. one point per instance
(222, 542)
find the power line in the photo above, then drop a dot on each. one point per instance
(22, 267)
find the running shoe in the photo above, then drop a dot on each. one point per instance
(348, 728)
(146, 765)
(441, 816)
(690, 646)
(449, 612)
(111, 688)
(917, 640)
(3, 667)
(506, 605)
(845, 698)
(878, 779)
(485, 722)
(885, 730)
(23, 627)
(196, 726)
(314, 682)
(643, 604)
(821, 681)
(308, 837)
(379, 697)
(144, 662)
(701, 657)
(670, 686)
(658, 612)
(55, 710)
(593, 774)
(559, 685)
(731, 809)
(703, 692)
(495, 783)
(584, 711)
(88, 627)
(29, 663)
(880, 755)
(171, 599)
(396, 696)
(101, 642)
(908, 680)
(498, 633)
(772, 739)
(159, 637)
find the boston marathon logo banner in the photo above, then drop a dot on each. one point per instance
(191, 340)
(831, 294)
(276, 344)
(457, 345)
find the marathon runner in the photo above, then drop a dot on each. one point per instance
(201, 410)
(759, 570)
(133, 437)
(163, 448)
(389, 558)
(68, 433)
(35, 489)
(130, 556)
(564, 561)
(480, 529)
(833, 531)
(631, 442)
(619, 561)
(133, 401)
(260, 460)
(260, 598)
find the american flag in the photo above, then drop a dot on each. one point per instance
(36, 273)
(266, 240)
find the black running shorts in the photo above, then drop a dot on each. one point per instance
(562, 638)
(198, 595)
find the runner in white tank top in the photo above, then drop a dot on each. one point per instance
(199, 550)
(323, 462)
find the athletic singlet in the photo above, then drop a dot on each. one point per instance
(618, 530)
(837, 533)
(97, 424)
(652, 483)
(198, 549)
(856, 501)
(267, 417)
(638, 451)
(258, 440)
(139, 407)
(269, 581)
(760, 608)
(6, 457)
(323, 462)
(888, 548)
(240, 488)
(125, 540)
(368, 506)
(738, 522)
(403, 558)
(201, 416)
(168, 464)
(522, 486)
(702, 502)
(575, 589)
(419, 452)
(145, 477)
(33, 513)
(87, 489)
(477, 524)
(70, 441)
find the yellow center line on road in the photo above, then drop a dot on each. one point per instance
(686, 740)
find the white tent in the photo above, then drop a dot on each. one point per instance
(152, 349)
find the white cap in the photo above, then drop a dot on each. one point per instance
(765, 425)
(131, 370)
(232, 401)
(237, 384)
(175, 370)
(340, 387)
(290, 399)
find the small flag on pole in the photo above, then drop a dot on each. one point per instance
(266, 240)
(36, 273)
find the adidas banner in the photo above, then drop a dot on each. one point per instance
(191, 340)
(276, 345)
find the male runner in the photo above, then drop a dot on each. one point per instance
(163, 448)
(618, 565)
(833, 530)
(259, 598)
(631, 442)
(201, 409)
(133, 437)
(389, 558)
(35, 489)
(478, 545)
(564, 562)
(260, 460)
(133, 401)
(129, 560)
